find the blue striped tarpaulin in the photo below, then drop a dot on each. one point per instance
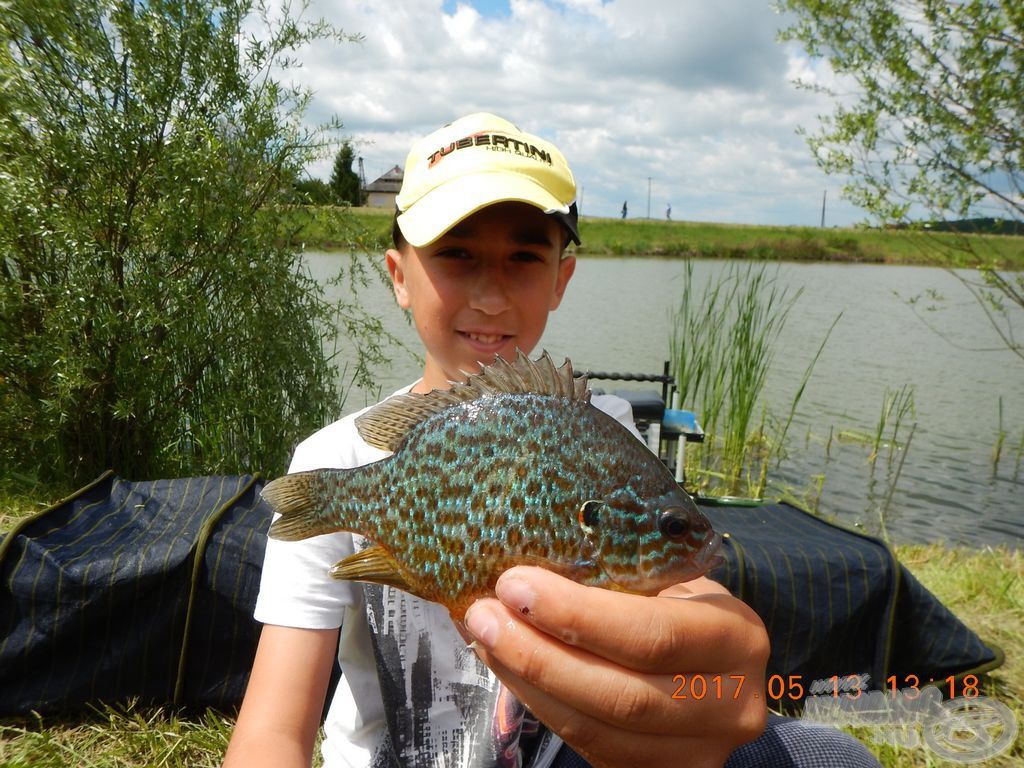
(133, 590)
(838, 604)
(145, 590)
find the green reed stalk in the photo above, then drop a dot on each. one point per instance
(722, 348)
(884, 511)
(997, 451)
(800, 393)
(896, 405)
(904, 407)
(1020, 456)
(697, 351)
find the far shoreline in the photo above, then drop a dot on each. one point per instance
(339, 228)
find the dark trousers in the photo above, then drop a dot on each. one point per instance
(785, 743)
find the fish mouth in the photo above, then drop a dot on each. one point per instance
(709, 557)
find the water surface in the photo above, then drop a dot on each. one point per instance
(616, 316)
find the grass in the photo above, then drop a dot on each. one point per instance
(333, 228)
(984, 588)
(117, 737)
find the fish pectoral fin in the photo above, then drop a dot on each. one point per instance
(584, 571)
(612, 586)
(371, 564)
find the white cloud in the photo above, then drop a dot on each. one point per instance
(695, 95)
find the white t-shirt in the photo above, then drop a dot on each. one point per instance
(411, 692)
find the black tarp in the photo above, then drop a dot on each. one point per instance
(133, 590)
(838, 603)
(145, 591)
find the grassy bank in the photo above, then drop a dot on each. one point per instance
(984, 588)
(333, 228)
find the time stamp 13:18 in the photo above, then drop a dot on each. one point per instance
(792, 688)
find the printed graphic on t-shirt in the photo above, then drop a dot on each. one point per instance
(444, 708)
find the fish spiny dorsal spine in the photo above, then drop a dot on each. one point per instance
(387, 425)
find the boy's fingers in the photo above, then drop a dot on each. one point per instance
(708, 630)
(606, 745)
(587, 685)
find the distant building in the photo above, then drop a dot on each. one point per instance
(382, 192)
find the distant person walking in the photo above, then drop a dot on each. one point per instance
(668, 212)
(625, 208)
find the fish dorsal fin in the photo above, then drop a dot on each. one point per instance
(386, 426)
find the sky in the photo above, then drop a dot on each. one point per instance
(656, 102)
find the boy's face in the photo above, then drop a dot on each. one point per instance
(483, 289)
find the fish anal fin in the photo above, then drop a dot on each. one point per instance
(372, 564)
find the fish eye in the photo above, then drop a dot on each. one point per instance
(590, 513)
(674, 523)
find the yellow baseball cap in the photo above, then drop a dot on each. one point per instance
(476, 161)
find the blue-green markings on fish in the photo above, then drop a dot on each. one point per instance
(514, 466)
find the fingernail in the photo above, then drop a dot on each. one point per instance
(482, 624)
(516, 594)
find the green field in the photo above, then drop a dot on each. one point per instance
(341, 228)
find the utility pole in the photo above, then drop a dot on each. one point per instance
(648, 197)
(823, 198)
(362, 182)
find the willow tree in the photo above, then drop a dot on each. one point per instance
(154, 316)
(930, 124)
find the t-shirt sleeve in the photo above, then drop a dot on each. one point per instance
(619, 409)
(295, 588)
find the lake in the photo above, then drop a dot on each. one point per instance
(616, 316)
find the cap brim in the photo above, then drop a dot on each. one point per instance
(444, 207)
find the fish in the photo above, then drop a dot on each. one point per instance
(513, 466)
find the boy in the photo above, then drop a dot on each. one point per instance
(485, 214)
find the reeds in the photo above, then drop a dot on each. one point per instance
(722, 346)
(798, 395)
(896, 416)
(897, 405)
(997, 450)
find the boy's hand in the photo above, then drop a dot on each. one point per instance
(624, 679)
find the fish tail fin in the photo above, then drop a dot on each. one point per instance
(295, 497)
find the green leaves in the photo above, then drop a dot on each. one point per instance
(152, 319)
(937, 112)
(935, 126)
